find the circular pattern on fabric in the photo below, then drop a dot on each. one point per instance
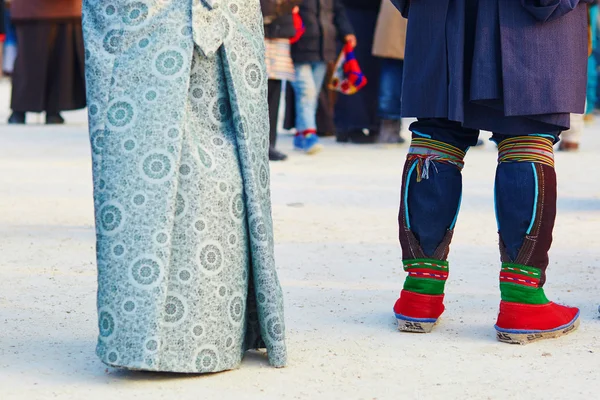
(207, 360)
(275, 329)
(237, 206)
(197, 93)
(221, 110)
(233, 239)
(197, 330)
(181, 205)
(258, 230)
(253, 75)
(146, 272)
(138, 199)
(113, 41)
(184, 275)
(118, 250)
(162, 238)
(205, 158)
(93, 109)
(121, 114)
(106, 323)
(169, 63)
(200, 225)
(98, 141)
(186, 31)
(129, 145)
(157, 166)
(143, 43)
(237, 308)
(112, 357)
(129, 306)
(175, 310)
(242, 126)
(211, 258)
(111, 216)
(152, 345)
(264, 176)
(173, 133)
(185, 170)
(151, 95)
(135, 13)
(222, 291)
(110, 10)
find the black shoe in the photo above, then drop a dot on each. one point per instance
(342, 137)
(363, 136)
(17, 118)
(275, 155)
(54, 119)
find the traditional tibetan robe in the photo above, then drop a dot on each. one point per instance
(179, 128)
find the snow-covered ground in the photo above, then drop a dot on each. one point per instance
(338, 258)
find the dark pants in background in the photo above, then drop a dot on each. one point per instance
(274, 99)
(359, 111)
(49, 72)
(390, 89)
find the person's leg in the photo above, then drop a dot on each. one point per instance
(306, 92)
(390, 101)
(274, 99)
(525, 196)
(430, 200)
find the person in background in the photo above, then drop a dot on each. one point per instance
(571, 139)
(49, 69)
(325, 21)
(469, 66)
(356, 116)
(388, 45)
(2, 33)
(592, 95)
(10, 44)
(279, 29)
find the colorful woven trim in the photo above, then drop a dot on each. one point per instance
(427, 150)
(527, 149)
(426, 276)
(521, 284)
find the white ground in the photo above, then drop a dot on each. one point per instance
(338, 259)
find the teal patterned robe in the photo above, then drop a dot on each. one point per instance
(179, 132)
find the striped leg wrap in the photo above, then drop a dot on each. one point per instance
(426, 276)
(426, 151)
(535, 149)
(521, 284)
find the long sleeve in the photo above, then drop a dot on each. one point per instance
(548, 10)
(342, 23)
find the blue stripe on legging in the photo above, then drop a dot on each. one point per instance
(535, 199)
(406, 193)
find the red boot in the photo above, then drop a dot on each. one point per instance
(525, 323)
(418, 312)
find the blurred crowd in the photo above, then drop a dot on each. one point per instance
(44, 56)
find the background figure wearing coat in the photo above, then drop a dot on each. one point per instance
(279, 29)
(388, 46)
(325, 21)
(356, 117)
(518, 69)
(49, 70)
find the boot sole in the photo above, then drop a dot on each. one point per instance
(415, 325)
(526, 337)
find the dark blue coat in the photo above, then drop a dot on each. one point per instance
(508, 66)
